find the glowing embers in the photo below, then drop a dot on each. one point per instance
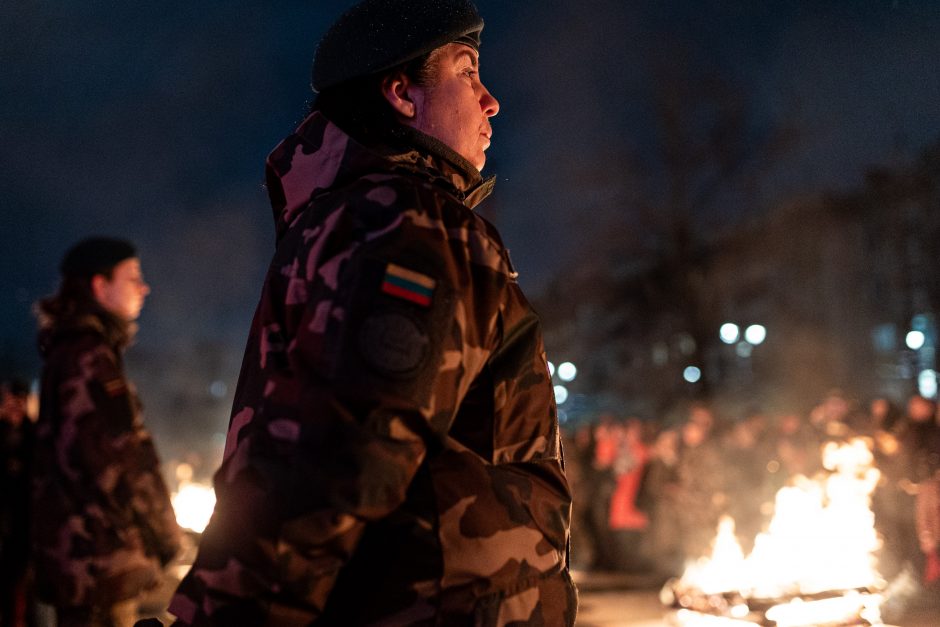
(837, 608)
(814, 565)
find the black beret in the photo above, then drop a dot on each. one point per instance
(376, 35)
(95, 255)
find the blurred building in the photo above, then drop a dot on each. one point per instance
(836, 290)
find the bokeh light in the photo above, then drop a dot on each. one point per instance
(915, 340)
(755, 334)
(567, 371)
(729, 333)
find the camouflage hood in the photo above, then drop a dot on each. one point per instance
(319, 157)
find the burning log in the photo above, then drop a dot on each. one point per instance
(837, 608)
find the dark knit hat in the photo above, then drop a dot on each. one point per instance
(376, 35)
(95, 255)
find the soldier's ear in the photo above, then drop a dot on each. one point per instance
(99, 286)
(399, 90)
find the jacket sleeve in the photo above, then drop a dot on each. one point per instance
(117, 453)
(394, 330)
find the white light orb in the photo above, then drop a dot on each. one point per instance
(551, 369)
(755, 334)
(692, 374)
(729, 333)
(561, 394)
(915, 340)
(927, 384)
(567, 371)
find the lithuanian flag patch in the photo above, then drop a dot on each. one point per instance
(408, 285)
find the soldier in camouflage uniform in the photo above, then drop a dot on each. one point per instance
(102, 522)
(393, 456)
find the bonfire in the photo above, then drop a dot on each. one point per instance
(814, 565)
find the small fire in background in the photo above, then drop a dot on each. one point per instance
(193, 502)
(814, 565)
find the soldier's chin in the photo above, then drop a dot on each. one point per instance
(132, 315)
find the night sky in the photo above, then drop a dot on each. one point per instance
(151, 121)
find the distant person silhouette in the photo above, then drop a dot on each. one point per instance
(103, 525)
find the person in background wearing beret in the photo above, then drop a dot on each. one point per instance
(393, 455)
(102, 523)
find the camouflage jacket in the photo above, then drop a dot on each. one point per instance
(393, 456)
(102, 522)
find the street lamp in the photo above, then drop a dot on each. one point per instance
(755, 334)
(729, 333)
(915, 340)
(567, 372)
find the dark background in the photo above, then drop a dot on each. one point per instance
(637, 142)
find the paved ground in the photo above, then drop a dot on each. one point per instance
(615, 600)
(627, 608)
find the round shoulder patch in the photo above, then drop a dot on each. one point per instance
(394, 343)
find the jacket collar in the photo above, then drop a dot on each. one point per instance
(319, 156)
(60, 326)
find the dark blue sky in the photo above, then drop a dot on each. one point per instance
(152, 121)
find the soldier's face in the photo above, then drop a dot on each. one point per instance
(123, 294)
(454, 106)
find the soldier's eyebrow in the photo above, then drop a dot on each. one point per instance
(473, 59)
